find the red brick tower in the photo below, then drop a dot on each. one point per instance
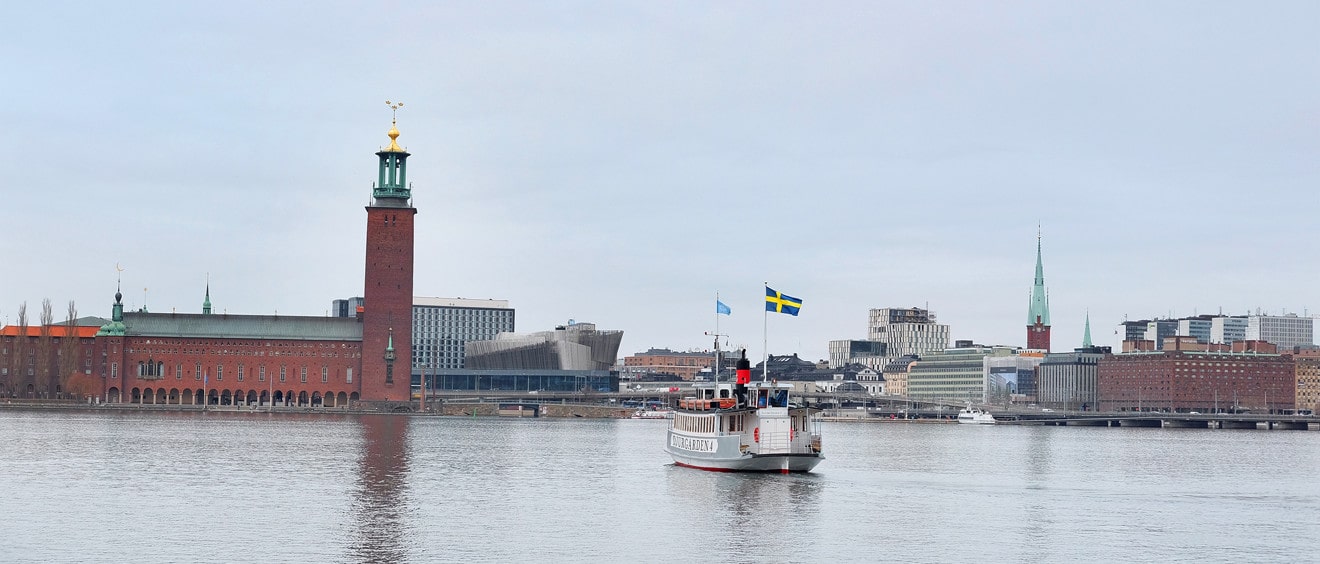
(387, 295)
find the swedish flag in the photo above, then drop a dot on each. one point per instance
(781, 303)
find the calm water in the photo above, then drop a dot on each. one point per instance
(225, 487)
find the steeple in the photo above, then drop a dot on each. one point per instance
(391, 189)
(1038, 311)
(1086, 337)
(206, 304)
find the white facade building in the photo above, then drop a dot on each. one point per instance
(1286, 331)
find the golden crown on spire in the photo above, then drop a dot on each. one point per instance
(394, 129)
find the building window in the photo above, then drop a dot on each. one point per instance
(114, 369)
(219, 372)
(178, 371)
(325, 374)
(240, 373)
(282, 373)
(261, 373)
(349, 377)
(197, 371)
(304, 374)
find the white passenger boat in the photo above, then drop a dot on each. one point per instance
(975, 416)
(744, 426)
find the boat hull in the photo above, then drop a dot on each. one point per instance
(725, 453)
(780, 463)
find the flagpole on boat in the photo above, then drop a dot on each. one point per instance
(765, 339)
(716, 376)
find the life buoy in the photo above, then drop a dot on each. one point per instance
(756, 434)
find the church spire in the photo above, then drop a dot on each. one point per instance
(1086, 337)
(206, 304)
(1038, 311)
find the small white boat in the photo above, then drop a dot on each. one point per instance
(975, 416)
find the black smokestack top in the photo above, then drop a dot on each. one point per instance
(743, 364)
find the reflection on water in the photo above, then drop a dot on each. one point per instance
(773, 512)
(380, 499)
(101, 486)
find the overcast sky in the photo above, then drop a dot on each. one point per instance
(620, 163)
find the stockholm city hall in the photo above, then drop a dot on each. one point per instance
(363, 362)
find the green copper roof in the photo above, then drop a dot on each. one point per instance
(206, 304)
(1086, 337)
(243, 326)
(392, 188)
(115, 328)
(1040, 301)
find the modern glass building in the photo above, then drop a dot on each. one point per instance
(515, 380)
(442, 327)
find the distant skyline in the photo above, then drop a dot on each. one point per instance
(621, 163)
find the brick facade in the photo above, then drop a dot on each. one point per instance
(230, 371)
(387, 303)
(1180, 381)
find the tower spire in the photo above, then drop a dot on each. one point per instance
(206, 304)
(1038, 312)
(1086, 337)
(392, 186)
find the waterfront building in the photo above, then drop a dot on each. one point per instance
(952, 375)
(1068, 380)
(1308, 379)
(575, 346)
(514, 380)
(39, 361)
(1038, 310)
(226, 359)
(1012, 377)
(896, 375)
(1181, 381)
(852, 379)
(684, 365)
(1287, 331)
(575, 357)
(910, 331)
(866, 353)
